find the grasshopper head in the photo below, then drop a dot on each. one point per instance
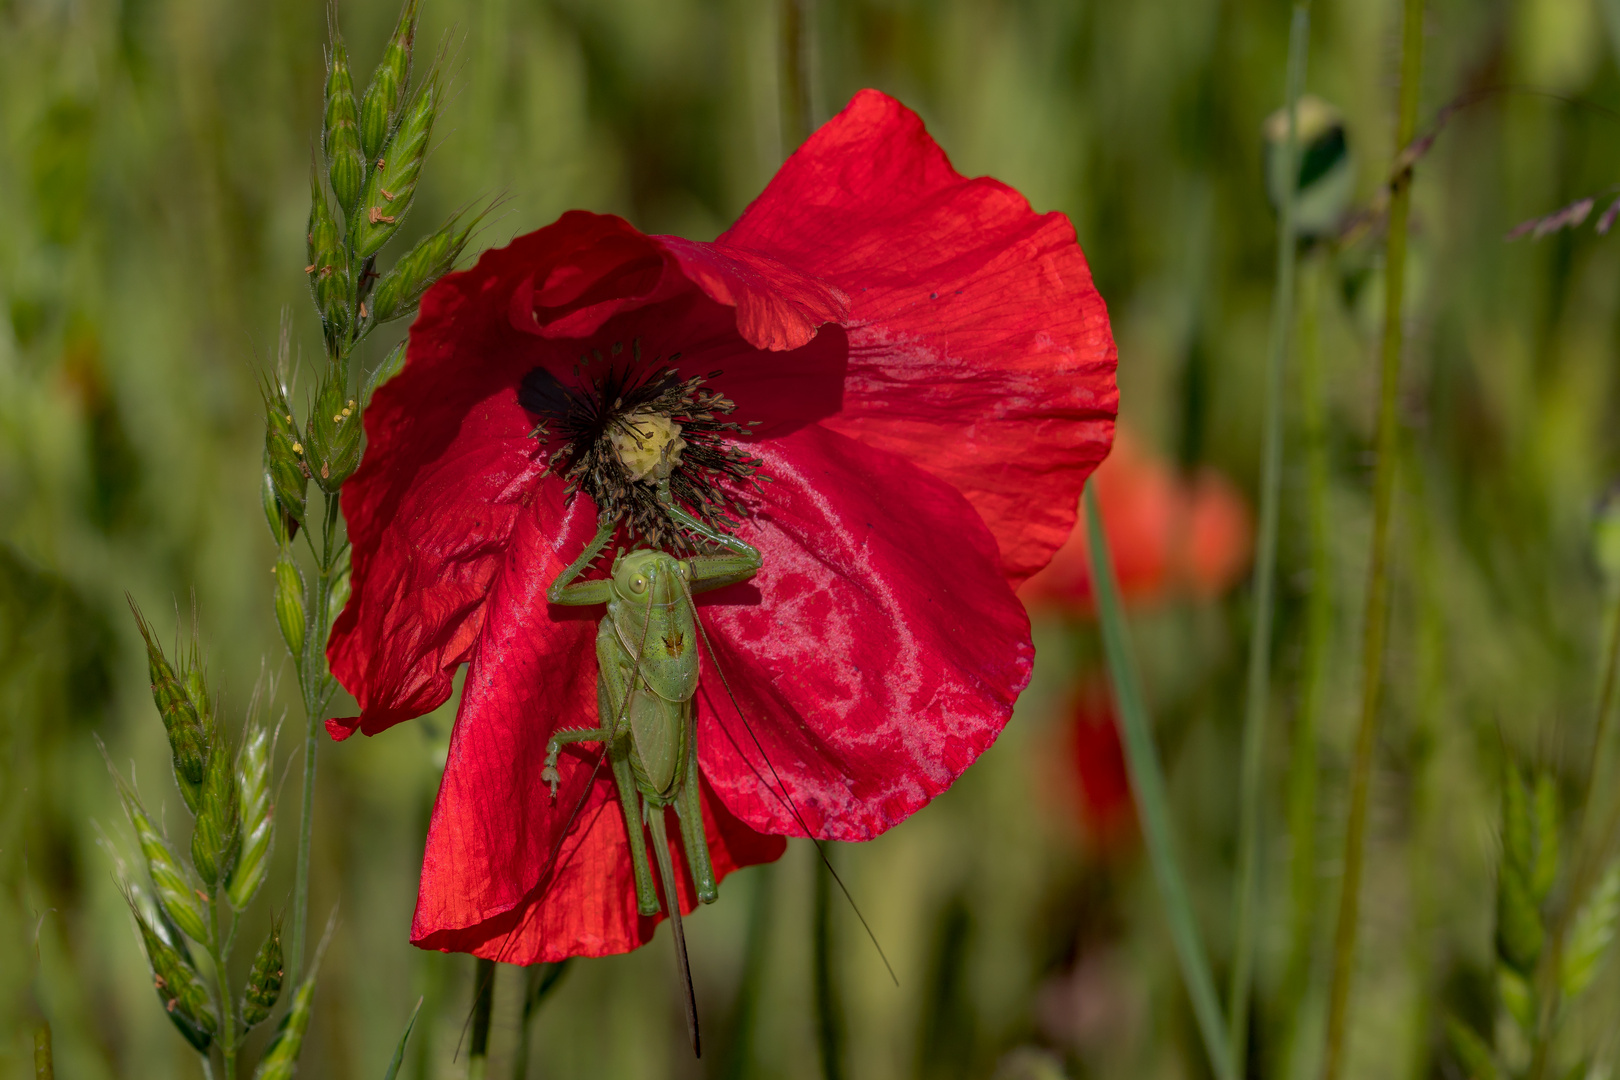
(639, 575)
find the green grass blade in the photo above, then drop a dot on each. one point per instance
(399, 1051)
(1147, 783)
(1265, 569)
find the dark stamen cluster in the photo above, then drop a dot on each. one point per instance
(607, 393)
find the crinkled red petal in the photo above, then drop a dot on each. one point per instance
(979, 348)
(873, 658)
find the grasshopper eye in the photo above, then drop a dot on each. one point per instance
(638, 584)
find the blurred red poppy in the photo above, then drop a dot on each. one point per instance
(1166, 534)
(931, 374)
(1107, 810)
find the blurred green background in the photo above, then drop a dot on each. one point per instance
(154, 157)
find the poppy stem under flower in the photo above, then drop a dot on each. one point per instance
(1258, 696)
(1376, 626)
(1147, 784)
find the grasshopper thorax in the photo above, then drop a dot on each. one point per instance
(648, 603)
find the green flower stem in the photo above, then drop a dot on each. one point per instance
(1259, 688)
(1377, 602)
(315, 681)
(1147, 784)
(539, 980)
(220, 954)
(1302, 764)
(829, 1007)
(483, 1008)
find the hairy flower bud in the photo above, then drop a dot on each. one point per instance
(182, 992)
(328, 269)
(290, 604)
(188, 738)
(432, 257)
(284, 458)
(1323, 171)
(340, 135)
(388, 193)
(174, 890)
(280, 1060)
(385, 96)
(333, 435)
(264, 980)
(217, 835)
(258, 816)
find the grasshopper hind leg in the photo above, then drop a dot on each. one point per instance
(666, 870)
(689, 808)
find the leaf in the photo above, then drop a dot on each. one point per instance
(1590, 935)
(1475, 1057)
(399, 1051)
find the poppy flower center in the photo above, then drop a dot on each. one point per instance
(646, 439)
(622, 425)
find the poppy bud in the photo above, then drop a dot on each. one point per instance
(264, 980)
(388, 193)
(179, 988)
(432, 257)
(379, 109)
(328, 267)
(340, 135)
(258, 816)
(280, 1060)
(188, 741)
(217, 836)
(1323, 168)
(288, 475)
(174, 890)
(333, 436)
(290, 604)
(391, 365)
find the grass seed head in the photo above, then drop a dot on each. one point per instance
(264, 980)
(332, 437)
(340, 134)
(258, 816)
(188, 737)
(217, 836)
(385, 95)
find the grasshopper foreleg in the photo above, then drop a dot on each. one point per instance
(548, 774)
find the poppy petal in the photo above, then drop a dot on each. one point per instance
(877, 653)
(979, 348)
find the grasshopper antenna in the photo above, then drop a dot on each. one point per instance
(782, 793)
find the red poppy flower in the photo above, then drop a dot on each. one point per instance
(1165, 534)
(929, 373)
